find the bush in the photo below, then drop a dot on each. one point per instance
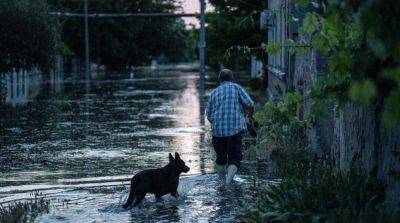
(28, 34)
(321, 198)
(310, 190)
(279, 133)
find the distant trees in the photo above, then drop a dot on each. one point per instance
(118, 42)
(234, 23)
(28, 34)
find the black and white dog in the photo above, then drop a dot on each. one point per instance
(159, 181)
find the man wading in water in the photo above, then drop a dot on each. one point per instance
(225, 111)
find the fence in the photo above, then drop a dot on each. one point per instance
(21, 85)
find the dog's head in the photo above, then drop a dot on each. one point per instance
(180, 164)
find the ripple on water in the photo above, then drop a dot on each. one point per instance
(120, 127)
(174, 132)
(125, 93)
(94, 153)
(202, 198)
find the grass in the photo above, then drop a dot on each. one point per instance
(24, 211)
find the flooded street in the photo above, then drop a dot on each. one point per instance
(81, 147)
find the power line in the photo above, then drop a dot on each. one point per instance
(86, 15)
(114, 15)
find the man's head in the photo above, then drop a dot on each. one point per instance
(225, 75)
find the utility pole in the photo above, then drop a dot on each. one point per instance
(87, 66)
(202, 45)
(87, 58)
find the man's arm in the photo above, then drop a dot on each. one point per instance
(247, 103)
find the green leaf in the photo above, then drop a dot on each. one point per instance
(378, 47)
(321, 44)
(290, 46)
(303, 2)
(293, 19)
(271, 48)
(391, 112)
(362, 91)
(354, 35)
(392, 74)
(310, 23)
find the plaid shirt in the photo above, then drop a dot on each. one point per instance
(225, 109)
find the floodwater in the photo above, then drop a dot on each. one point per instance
(80, 148)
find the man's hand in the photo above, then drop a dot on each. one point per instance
(249, 111)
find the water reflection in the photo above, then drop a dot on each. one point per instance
(202, 144)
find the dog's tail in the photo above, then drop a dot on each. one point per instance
(131, 198)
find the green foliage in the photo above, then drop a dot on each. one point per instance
(321, 197)
(362, 91)
(64, 49)
(22, 212)
(234, 23)
(361, 43)
(271, 48)
(119, 42)
(303, 2)
(310, 23)
(29, 34)
(280, 130)
(360, 40)
(391, 112)
(310, 190)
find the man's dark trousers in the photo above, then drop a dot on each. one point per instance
(228, 149)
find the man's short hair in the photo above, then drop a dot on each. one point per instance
(225, 75)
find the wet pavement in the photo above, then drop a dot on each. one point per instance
(81, 147)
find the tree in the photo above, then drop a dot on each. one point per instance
(28, 35)
(118, 42)
(234, 23)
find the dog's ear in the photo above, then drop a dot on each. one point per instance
(171, 158)
(177, 157)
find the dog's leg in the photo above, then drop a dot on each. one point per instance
(158, 197)
(175, 194)
(138, 199)
(130, 200)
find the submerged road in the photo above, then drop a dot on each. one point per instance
(79, 149)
